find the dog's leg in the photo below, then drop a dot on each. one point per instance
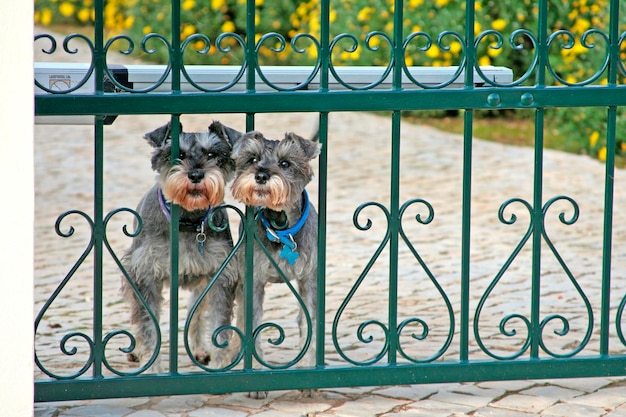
(307, 288)
(257, 316)
(217, 312)
(144, 328)
(198, 332)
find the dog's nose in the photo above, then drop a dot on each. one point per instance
(261, 177)
(196, 175)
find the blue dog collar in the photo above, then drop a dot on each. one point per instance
(285, 236)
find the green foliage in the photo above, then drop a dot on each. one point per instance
(362, 33)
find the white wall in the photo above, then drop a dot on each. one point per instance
(16, 208)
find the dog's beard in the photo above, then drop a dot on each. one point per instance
(274, 194)
(209, 192)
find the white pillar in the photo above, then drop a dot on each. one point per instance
(16, 208)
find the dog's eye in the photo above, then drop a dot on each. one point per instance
(182, 155)
(210, 155)
(253, 160)
(284, 164)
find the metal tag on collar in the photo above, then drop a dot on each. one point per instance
(288, 251)
(271, 235)
(201, 238)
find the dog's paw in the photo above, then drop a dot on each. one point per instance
(307, 393)
(203, 357)
(258, 395)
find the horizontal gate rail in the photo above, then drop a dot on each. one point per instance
(465, 354)
(307, 101)
(328, 377)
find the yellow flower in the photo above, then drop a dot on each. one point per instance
(188, 4)
(66, 9)
(477, 28)
(570, 79)
(455, 48)
(492, 52)
(433, 52)
(332, 16)
(498, 24)
(441, 3)
(84, 15)
(484, 61)
(408, 61)
(46, 16)
(188, 30)
(147, 29)
(228, 26)
(602, 154)
(128, 22)
(593, 139)
(217, 4)
(364, 14)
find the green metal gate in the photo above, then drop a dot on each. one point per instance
(454, 360)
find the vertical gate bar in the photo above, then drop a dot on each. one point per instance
(175, 54)
(98, 239)
(537, 224)
(249, 222)
(607, 241)
(535, 330)
(322, 192)
(470, 58)
(394, 220)
(174, 250)
(321, 241)
(396, 120)
(324, 44)
(175, 57)
(98, 193)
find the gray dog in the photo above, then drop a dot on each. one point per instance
(197, 184)
(272, 175)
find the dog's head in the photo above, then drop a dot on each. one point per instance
(197, 179)
(272, 173)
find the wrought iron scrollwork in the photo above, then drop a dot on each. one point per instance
(388, 333)
(351, 47)
(215, 339)
(504, 327)
(63, 88)
(585, 42)
(75, 334)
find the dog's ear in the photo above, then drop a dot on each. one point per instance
(225, 132)
(246, 139)
(310, 147)
(159, 136)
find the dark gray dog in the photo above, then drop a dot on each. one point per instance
(272, 175)
(197, 184)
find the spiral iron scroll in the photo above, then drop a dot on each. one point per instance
(505, 327)
(65, 343)
(392, 333)
(521, 41)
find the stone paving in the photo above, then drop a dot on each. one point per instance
(358, 172)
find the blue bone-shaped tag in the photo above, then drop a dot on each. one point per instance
(289, 254)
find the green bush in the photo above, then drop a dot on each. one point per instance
(361, 32)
